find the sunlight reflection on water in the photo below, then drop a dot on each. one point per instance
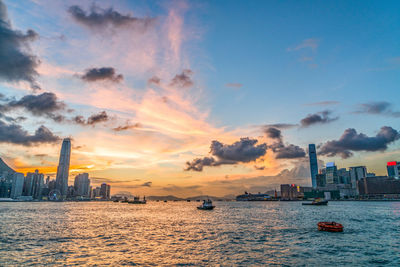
(176, 233)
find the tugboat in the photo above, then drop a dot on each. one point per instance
(330, 227)
(317, 202)
(207, 205)
(136, 200)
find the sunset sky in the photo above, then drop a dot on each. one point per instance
(199, 97)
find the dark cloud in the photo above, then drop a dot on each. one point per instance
(100, 19)
(102, 74)
(198, 163)
(97, 118)
(11, 119)
(45, 104)
(15, 134)
(147, 184)
(352, 141)
(273, 133)
(282, 151)
(378, 108)
(92, 120)
(289, 151)
(154, 80)
(127, 127)
(317, 118)
(245, 150)
(16, 62)
(280, 125)
(183, 80)
(79, 120)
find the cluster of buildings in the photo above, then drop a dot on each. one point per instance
(355, 182)
(34, 186)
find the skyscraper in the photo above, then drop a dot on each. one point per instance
(356, 174)
(37, 185)
(17, 185)
(82, 185)
(313, 164)
(393, 169)
(63, 167)
(331, 173)
(105, 191)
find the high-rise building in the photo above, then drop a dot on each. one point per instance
(108, 190)
(82, 185)
(393, 169)
(96, 192)
(321, 180)
(105, 191)
(6, 177)
(28, 184)
(313, 164)
(37, 184)
(17, 185)
(331, 173)
(356, 174)
(63, 167)
(343, 176)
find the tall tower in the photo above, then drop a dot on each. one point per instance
(312, 153)
(63, 167)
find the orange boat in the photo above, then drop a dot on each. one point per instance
(330, 227)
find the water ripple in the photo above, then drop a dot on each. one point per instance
(176, 233)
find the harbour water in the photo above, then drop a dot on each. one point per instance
(176, 233)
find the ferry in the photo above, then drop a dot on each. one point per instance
(317, 202)
(136, 200)
(207, 205)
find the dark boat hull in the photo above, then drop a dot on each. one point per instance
(321, 203)
(206, 208)
(137, 202)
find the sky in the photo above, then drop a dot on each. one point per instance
(189, 98)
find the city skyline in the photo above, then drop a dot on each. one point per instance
(180, 98)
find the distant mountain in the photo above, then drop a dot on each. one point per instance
(172, 198)
(162, 198)
(5, 168)
(228, 197)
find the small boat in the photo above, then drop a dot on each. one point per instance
(207, 205)
(136, 200)
(317, 202)
(330, 227)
